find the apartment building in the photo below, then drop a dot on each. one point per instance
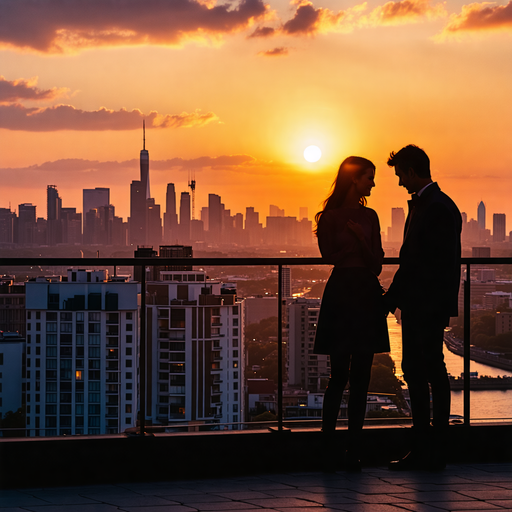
(305, 369)
(81, 354)
(195, 350)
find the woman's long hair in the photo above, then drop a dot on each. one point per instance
(353, 166)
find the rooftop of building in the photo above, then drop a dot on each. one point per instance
(460, 487)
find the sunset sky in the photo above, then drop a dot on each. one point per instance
(234, 91)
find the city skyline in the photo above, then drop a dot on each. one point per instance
(236, 92)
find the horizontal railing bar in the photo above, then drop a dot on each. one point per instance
(205, 262)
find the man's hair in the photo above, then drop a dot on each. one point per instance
(411, 157)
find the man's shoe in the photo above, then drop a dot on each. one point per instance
(413, 460)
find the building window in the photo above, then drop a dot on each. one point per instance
(129, 363)
(129, 351)
(128, 397)
(128, 316)
(128, 375)
(235, 343)
(235, 364)
(235, 353)
(129, 327)
(128, 408)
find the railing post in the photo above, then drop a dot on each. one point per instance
(279, 348)
(467, 344)
(142, 352)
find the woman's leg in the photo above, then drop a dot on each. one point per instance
(340, 365)
(360, 373)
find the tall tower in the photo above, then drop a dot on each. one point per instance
(170, 217)
(144, 162)
(481, 215)
(53, 209)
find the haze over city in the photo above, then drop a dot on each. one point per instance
(236, 92)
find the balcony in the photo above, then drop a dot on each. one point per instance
(469, 442)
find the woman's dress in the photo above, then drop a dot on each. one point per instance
(352, 318)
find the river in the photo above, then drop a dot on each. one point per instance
(485, 405)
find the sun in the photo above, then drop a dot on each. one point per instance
(312, 153)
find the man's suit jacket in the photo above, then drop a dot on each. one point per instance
(427, 281)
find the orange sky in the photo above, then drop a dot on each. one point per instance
(237, 91)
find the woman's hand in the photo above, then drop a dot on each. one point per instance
(356, 229)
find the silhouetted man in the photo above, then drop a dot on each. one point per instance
(425, 288)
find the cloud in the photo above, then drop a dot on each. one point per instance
(16, 90)
(56, 26)
(275, 52)
(67, 117)
(308, 20)
(77, 165)
(478, 17)
(404, 11)
(262, 32)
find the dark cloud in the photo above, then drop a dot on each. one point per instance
(67, 117)
(304, 21)
(275, 52)
(16, 90)
(67, 25)
(481, 17)
(263, 32)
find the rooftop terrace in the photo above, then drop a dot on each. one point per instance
(466, 487)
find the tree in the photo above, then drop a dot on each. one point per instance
(13, 420)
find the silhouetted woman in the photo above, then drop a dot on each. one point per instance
(352, 322)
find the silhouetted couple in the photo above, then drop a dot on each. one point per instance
(352, 325)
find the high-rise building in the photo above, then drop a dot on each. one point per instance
(305, 369)
(53, 208)
(275, 211)
(170, 216)
(12, 306)
(82, 354)
(214, 217)
(137, 213)
(396, 232)
(145, 228)
(286, 283)
(154, 223)
(144, 163)
(303, 212)
(12, 356)
(7, 220)
(26, 225)
(499, 227)
(196, 351)
(185, 217)
(481, 215)
(71, 226)
(94, 198)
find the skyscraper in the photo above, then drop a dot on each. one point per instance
(94, 198)
(498, 227)
(214, 217)
(53, 209)
(184, 218)
(481, 215)
(26, 223)
(303, 212)
(170, 217)
(144, 162)
(397, 225)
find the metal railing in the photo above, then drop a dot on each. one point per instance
(279, 262)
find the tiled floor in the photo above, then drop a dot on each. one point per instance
(460, 488)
